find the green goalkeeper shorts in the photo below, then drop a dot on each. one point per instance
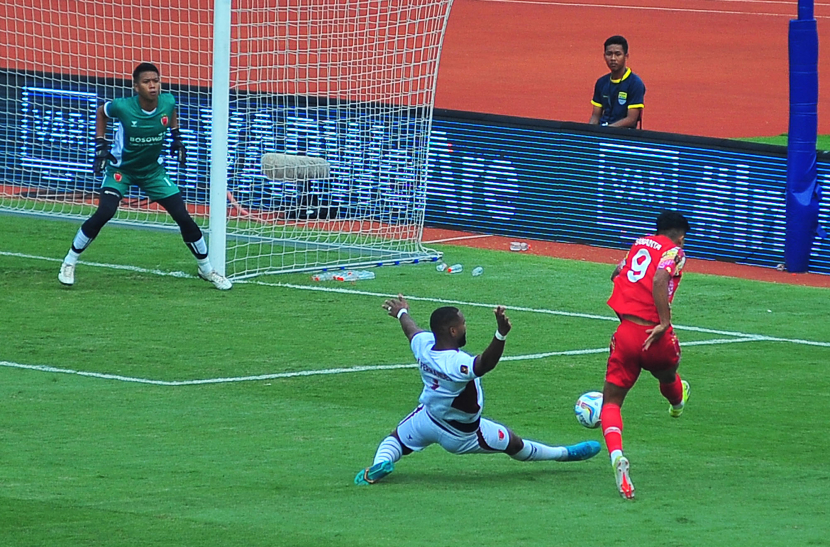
(156, 184)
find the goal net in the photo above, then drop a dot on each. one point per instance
(343, 86)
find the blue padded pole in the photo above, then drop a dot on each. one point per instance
(803, 192)
(805, 10)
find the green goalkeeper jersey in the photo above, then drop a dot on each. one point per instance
(139, 135)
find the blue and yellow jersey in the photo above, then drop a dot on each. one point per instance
(615, 97)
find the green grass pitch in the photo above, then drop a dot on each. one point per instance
(126, 418)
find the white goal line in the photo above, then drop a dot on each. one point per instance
(321, 372)
(341, 290)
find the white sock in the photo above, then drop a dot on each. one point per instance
(71, 257)
(614, 455)
(533, 451)
(390, 450)
(198, 247)
(204, 265)
(80, 242)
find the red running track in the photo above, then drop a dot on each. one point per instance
(716, 68)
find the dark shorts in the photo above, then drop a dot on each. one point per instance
(627, 356)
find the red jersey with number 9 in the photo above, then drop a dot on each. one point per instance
(632, 293)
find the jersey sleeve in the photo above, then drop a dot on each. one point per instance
(637, 94)
(421, 343)
(597, 99)
(460, 369)
(672, 261)
(111, 109)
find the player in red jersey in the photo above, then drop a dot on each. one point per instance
(644, 286)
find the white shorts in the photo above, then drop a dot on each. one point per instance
(419, 430)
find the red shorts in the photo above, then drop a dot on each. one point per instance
(628, 357)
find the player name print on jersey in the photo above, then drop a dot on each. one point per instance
(648, 243)
(429, 370)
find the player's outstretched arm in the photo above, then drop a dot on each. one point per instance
(399, 308)
(489, 358)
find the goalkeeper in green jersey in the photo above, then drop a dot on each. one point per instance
(141, 127)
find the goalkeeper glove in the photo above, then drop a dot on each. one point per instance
(177, 148)
(102, 155)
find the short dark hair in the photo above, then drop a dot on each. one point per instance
(144, 67)
(672, 221)
(618, 41)
(442, 319)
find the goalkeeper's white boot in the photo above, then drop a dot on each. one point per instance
(219, 281)
(67, 274)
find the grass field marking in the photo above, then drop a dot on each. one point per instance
(46, 368)
(578, 315)
(321, 372)
(342, 290)
(129, 379)
(793, 341)
(135, 269)
(712, 342)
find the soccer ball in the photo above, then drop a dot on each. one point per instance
(587, 409)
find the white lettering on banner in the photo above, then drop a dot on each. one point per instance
(729, 204)
(364, 166)
(465, 182)
(624, 184)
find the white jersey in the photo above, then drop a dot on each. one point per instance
(452, 392)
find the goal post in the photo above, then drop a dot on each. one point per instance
(345, 84)
(349, 83)
(217, 252)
